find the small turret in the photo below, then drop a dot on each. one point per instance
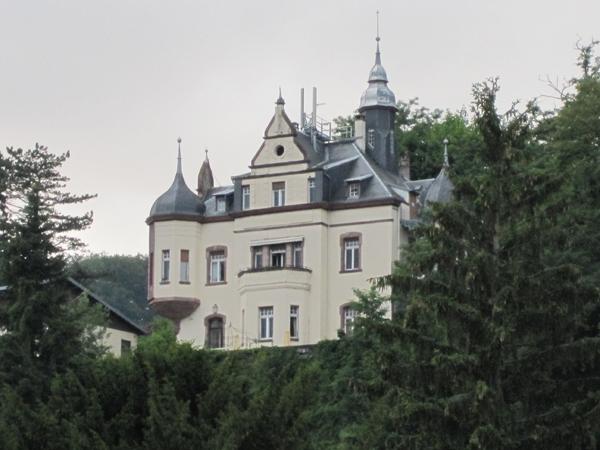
(178, 200)
(205, 178)
(440, 190)
(378, 106)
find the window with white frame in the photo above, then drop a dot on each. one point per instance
(297, 254)
(354, 190)
(184, 266)
(348, 316)
(294, 334)
(311, 190)
(279, 193)
(351, 257)
(266, 322)
(216, 272)
(245, 197)
(257, 257)
(221, 203)
(165, 266)
(277, 255)
(371, 138)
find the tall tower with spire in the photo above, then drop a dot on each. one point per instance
(378, 106)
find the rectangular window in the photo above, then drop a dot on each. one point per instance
(266, 322)
(351, 254)
(348, 316)
(293, 322)
(353, 190)
(257, 257)
(278, 256)
(217, 267)
(221, 204)
(279, 193)
(245, 197)
(216, 333)
(151, 269)
(166, 265)
(125, 346)
(371, 138)
(184, 266)
(311, 190)
(297, 254)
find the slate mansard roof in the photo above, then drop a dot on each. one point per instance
(340, 162)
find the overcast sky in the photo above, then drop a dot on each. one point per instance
(116, 82)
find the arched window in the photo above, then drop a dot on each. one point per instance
(215, 332)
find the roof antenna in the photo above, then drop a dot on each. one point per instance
(178, 155)
(446, 160)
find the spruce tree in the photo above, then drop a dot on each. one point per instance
(44, 328)
(494, 348)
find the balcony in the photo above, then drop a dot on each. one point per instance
(286, 277)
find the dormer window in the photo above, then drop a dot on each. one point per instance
(311, 190)
(354, 190)
(221, 204)
(245, 197)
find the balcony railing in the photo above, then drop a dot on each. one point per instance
(273, 268)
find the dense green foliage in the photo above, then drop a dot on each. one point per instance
(45, 332)
(495, 344)
(120, 280)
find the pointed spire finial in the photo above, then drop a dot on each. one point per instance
(280, 100)
(178, 155)
(206, 153)
(446, 160)
(377, 39)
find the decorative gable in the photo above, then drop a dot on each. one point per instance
(280, 146)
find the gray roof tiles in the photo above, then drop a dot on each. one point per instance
(177, 200)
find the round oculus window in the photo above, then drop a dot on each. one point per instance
(279, 150)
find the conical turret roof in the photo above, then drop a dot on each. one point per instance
(178, 200)
(378, 94)
(441, 189)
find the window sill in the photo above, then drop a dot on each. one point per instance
(273, 268)
(295, 339)
(165, 282)
(266, 340)
(185, 282)
(216, 283)
(350, 270)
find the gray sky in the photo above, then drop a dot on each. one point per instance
(116, 82)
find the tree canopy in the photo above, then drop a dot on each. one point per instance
(495, 343)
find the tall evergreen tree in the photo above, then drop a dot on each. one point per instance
(44, 327)
(491, 351)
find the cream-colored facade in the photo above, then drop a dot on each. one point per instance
(275, 258)
(319, 289)
(118, 341)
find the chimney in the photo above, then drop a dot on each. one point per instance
(360, 131)
(404, 166)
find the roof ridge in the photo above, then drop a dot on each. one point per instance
(368, 163)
